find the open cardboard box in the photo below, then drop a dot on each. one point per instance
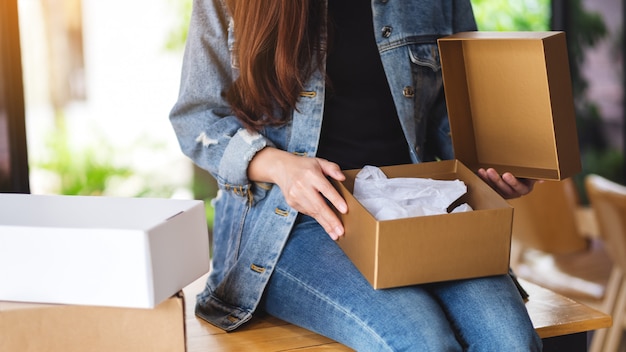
(511, 108)
(432, 248)
(28, 327)
(100, 251)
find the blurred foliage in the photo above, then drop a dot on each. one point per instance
(204, 187)
(79, 172)
(505, 15)
(587, 29)
(93, 170)
(608, 163)
(178, 34)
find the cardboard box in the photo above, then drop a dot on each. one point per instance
(510, 106)
(433, 248)
(30, 327)
(100, 251)
(510, 103)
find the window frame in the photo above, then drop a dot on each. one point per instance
(13, 151)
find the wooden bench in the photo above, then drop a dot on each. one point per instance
(561, 322)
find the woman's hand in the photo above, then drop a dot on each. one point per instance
(507, 185)
(304, 184)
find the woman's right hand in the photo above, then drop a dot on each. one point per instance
(304, 184)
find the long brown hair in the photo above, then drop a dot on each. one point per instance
(276, 41)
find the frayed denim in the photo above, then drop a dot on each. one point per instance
(317, 287)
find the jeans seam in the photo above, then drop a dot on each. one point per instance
(336, 306)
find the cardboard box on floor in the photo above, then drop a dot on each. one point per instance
(100, 251)
(511, 108)
(30, 327)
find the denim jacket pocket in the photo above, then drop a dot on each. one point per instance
(426, 71)
(425, 55)
(429, 105)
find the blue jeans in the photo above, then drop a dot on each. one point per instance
(317, 287)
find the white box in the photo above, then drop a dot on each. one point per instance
(101, 251)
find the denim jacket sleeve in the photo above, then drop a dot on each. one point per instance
(207, 131)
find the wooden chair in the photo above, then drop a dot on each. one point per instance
(608, 201)
(546, 218)
(557, 250)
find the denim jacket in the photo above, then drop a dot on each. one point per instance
(253, 220)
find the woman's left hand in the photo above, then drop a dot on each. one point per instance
(507, 185)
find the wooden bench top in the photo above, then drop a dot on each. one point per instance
(555, 315)
(552, 315)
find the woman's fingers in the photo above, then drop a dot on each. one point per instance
(307, 189)
(328, 191)
(506, 185)
(304, 183)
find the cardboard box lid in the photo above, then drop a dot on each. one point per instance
(510, 102)
(105, 251)
(52, 211)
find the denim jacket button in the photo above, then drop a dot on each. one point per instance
(384, 1)
(408, 92)
(386, 31)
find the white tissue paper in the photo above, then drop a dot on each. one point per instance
(403, 197)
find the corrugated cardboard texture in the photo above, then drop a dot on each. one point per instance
(68, 328)
(510, 102)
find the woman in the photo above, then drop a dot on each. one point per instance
(278, 96)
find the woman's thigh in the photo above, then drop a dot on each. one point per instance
(317, 287)
(488, 314)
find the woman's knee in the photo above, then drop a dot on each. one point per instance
(513, 341)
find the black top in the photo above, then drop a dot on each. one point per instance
(361, 125)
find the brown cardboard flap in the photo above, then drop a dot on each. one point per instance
(510, 102)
